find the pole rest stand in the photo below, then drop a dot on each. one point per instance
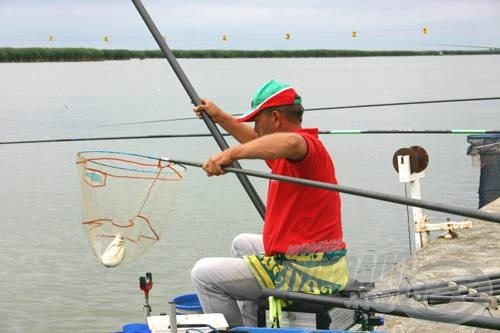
(146, 284)
(410, 164)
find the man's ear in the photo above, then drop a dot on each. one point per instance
(277, 118)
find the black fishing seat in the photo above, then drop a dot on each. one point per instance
(322, 311)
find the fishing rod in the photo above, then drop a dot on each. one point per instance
(452, 287)
(386, 308)
(159, 136)
(412, 131)
(405, 103)
(482, 295)
(465, 291)
(328, 108)
(406, 290)
(195, 99)
(437, 299)
(483, 278)
(196, 135)
(359, 192)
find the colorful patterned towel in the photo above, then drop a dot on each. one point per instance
(318, 273)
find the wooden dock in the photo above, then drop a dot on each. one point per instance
(474, 252)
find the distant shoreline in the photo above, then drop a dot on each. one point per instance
(37, 54)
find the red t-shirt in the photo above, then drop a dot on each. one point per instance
(303, 219)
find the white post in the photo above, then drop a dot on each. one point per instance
(413, 180)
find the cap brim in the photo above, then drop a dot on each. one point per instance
(249, 115)
(281, 97)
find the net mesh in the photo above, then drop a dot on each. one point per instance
(126, 200)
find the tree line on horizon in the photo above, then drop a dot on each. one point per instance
(36, 54)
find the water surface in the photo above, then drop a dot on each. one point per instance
(50, 281)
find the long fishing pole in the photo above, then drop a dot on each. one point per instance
(196, 135)
(405, 103)
(463, 280)
(484, 295)
(159, 136)
(411, 131)
(463, 290)
(195, 99)
(437, 291)
(438, 299)
(392, 309)
(359, 192)
(327, 108)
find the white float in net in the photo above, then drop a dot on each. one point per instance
(126, 200)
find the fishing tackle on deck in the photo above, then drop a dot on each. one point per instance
(387, 308)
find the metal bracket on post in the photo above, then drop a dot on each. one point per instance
(410, 164)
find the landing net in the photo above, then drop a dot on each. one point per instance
(126, 200)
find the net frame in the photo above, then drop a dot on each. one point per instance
(98, 166)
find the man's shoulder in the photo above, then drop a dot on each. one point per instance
(308, 131)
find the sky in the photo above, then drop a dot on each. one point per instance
(253, 25)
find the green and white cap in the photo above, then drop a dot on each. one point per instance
(272, 93)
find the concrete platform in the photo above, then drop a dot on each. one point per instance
(474, 252)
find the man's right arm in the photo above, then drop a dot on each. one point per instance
(240, 131)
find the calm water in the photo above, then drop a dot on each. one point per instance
(50, 281)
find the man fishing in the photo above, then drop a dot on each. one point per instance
(301, 247)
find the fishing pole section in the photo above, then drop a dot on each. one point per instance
(368, 310)
(371, 306)
(486, 216)
(329, 108)
(198, 135)
(120, 192)
(481, 289)
(195, 99)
